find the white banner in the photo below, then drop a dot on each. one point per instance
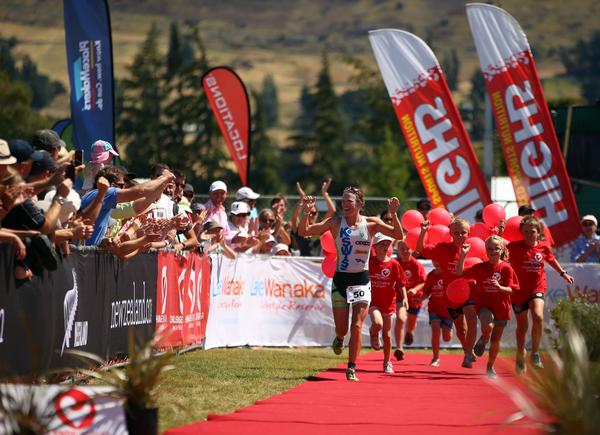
(286, 301)
(269, 301)
(65, 410)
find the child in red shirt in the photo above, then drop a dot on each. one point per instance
(447, 254)
(527, 258)
(495, 281)
(439, 319)
(387, 281)
(406, 319)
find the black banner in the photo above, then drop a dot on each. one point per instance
(88, 303)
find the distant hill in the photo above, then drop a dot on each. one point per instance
(285, 37)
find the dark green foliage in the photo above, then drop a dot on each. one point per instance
(585, 316)
(583, 63)
(451, 68)
(270, 101)
(265, 156)
(389, 172)
(477, 112)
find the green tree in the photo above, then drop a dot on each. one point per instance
(264, 161)
(270, 101)
(17, 118)
(583, 63)
(389, 175)
(141, 125)
(174, 55)
(451, 67)
(476, 113)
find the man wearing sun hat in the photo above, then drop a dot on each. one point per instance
(586, 248)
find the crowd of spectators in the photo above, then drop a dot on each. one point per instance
(44, 215)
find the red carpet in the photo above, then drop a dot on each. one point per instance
(417, 398)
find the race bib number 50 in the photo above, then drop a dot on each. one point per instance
(358, 293)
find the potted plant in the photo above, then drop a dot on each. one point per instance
(135, 382)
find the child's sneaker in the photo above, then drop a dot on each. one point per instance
(351, 375)
(536, 361)
(408, 338)
(388, 367)
(467, 362)
(491, 373)
(399, 355)
(435, 362)
(479, 348)
(337, 346)
(520, 367)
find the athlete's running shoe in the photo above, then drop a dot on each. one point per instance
(399, 355)
(351, 375)
(375, 344)
(467, 362)
(408, 338)
(388, 367)
(435, 362)
(520, 367)
(479, 348)
(337, 345)
(491, 373)
(536, 361)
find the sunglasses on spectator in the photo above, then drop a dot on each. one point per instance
(588, 224)
(242, 214)
(267, 220)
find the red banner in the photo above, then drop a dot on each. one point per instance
(531, 149)
(431, 124)
(229, 102)
(183, 298)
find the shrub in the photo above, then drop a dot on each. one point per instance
(585, 317)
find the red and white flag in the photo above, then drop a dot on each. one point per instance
(229, 102)
(531, 150)
(429, 119)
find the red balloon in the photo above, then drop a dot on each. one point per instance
(411, 219)
(472, 261)
(412, 236)
(327, 243)
(493, 214)
(458, 291)
(438, 234)
(477, 248)
(329, 264)
(439, 216)
(512, 231)
(480, 230)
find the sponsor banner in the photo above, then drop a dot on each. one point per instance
(269, 301)
(182, 298)
(531, 149)
(89, 303)
(89, 62)
(66, 410)
(229, 102)
(429, 118)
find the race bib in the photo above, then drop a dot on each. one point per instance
(358, 293)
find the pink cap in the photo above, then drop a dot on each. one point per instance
(102, 151)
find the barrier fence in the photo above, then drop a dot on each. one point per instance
(93, 298)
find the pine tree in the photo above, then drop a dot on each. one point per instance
(270, 101)
(174, 55)
(451, 68)
(264, 176)
(477, 97)
(140, 124)
(583, 63)
(389, 173)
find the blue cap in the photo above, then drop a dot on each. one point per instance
(20, 149)
(42, 161)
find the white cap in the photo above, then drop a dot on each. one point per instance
(239, 207)
(281, 247)
(217, 185)
(591, 218)
(379, 237)
(271, 239)
(246, 193)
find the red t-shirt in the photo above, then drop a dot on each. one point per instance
(447, 255)
(387, 278)
(488, 296)
(436, 291)
(528, 264)
(415, 275)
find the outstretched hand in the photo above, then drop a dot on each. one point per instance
(308, 202)
(425, 226)
(299, 190)
(465, 248)
(325, 186)
(393, 205)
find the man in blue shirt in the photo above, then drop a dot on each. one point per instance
(586, 248)
(108, 191)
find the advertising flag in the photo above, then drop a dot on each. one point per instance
(529, 143)
(229, 102)
(429, 119)
(89, 61)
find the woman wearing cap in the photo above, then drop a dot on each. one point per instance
(238, 238)
(586, 248)
(351, 283)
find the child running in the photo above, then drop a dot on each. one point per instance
(495, 281)
(387, 281)
(527, 258)
(406, 318)
(447, 254)
(439, 319)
